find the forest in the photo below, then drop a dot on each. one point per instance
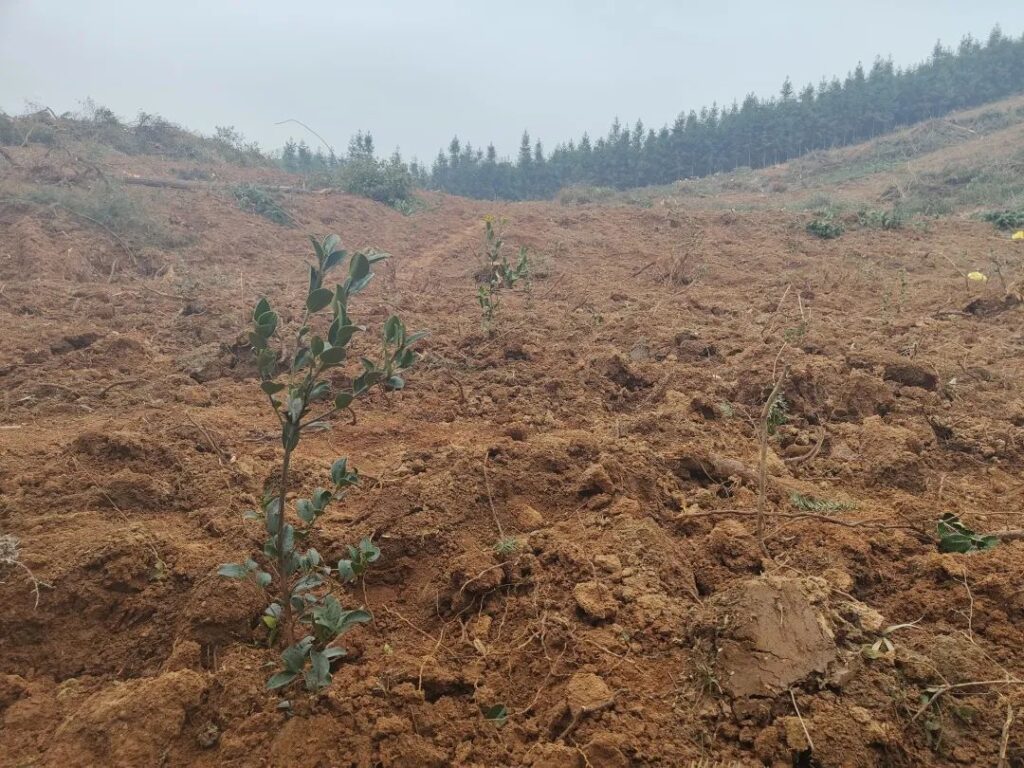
(754, 133)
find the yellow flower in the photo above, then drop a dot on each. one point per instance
(1018, 235)
(977, 277)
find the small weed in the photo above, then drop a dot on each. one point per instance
(506, 546)
(10, 557)
(796, 333)
(778, 414)
(884, 647)
(498, 714)
(823, 506)
(954, 536)
(254, 199)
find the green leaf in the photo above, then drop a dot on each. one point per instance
(954, 536)
(396, 383)
(333, 356)
(393, 330)
(334, 652)
(350, 618)
(319, 299)
(346, 572)
(280, 680)
(316, 346)
(374, 256)
(318, 249)
(412, 338)
(266, 324)
(305, 510)
(320, 391)
(312, 581)
(355, 286)
(339, 470)
(498, 714)
(344, 333)
(233, 571)
(288, 540)
(271, 387)
(262, 307)
(263, 578)
(368, 550)
(334, 259)
(266, 361)
(302, 358)
(321, 498)
(320, 673)
(343, 400)
(358, 268)
(330, 244)
(294, 656)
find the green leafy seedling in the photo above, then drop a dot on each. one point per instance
(350, 569)
(501, 273)
(296, 380)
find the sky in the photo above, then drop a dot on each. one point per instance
(415, 73)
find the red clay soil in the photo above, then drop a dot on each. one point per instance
(615, 409)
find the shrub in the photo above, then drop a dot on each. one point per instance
(386, 181)
(1005, 219)
(296, 578)
(107, 205)
(582, 194)
(826, 226)
(890, 220)
(254, 199)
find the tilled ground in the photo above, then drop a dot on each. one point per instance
(608, 423)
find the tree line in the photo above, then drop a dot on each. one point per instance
(755, 133)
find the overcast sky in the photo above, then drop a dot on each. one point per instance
(415, 72)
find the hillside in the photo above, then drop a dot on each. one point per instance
(609, 423)
(963, 163)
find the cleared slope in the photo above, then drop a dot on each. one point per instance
(615, 407)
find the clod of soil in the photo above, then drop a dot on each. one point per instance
(770, 637)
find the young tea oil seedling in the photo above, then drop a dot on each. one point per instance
(501, 273)
(302, 613)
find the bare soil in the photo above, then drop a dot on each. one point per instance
(615, 409)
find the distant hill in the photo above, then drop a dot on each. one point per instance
(962, 163)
